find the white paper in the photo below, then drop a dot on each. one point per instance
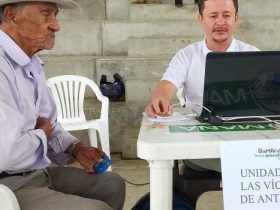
(251, 174)
(176, 116)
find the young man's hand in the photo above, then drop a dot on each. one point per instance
(44, 124)
(87, 156)
(157, 106)
(160, 99)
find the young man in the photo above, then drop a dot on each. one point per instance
(218, 19)
(30, 136)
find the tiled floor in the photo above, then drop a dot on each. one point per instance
(136, 171)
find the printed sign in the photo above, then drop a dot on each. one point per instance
(251, 174)
(222, 128)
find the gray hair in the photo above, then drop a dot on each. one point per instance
(2, 8)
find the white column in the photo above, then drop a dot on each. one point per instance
(161, 184)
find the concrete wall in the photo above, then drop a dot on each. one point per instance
(118, 28)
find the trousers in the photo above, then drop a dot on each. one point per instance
(204, 164)
(61, 188)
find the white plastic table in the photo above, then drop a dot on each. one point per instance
(160, 147)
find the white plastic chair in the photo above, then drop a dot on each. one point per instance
(8, 200)
(68, 92)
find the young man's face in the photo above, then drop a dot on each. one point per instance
(36, 25)
(218, 19)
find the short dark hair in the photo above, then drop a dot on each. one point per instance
(201, 5)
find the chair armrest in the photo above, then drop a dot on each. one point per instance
(8, 200)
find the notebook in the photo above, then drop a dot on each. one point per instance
(239, 84)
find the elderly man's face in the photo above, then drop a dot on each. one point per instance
(35, 25)
(218, 19)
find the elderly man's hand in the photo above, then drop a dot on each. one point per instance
(44, 124)
(87, 156)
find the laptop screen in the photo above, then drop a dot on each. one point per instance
(242, 84)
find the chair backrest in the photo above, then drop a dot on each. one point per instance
(68, 92)
(8, 200)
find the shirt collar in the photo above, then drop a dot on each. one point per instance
(15, 52)
(231, 48)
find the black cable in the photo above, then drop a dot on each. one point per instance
(136, 184)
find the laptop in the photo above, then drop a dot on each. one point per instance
(242, 84)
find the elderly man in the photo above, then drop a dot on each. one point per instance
(218, 19)
(30, 137)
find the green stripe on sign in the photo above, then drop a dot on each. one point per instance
(222, 128)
